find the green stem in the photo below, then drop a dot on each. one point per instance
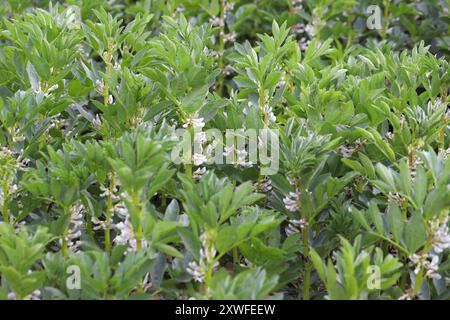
(5, 203)
(107, 59)
(64, 247)
(188, 169)
(307, 278)
(108, 217)
(420, 275)
(386, 18)
(89, 230)
(235, 257)
(221, 46)
(139, 231)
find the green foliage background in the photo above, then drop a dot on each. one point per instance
(91, 92)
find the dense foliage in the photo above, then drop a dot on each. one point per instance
(94, 207)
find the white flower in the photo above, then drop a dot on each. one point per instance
(52, 88)
(200, 137)
(303, 44)
(292, 201)
(395, 197)
(76, 223)
(431, 107)
(445, 153)
(389, 135)
(180, 8)
(126, 236)
(108, 194)
(210, 148)
(267, 110)
(194, 122)
(264, 186)
(207, 254)
(409, 295)
(295, 226)
(199, 158)
(100, 85)
(121, 209)
(291, 181)
(196, 271)
(432, 268)
(97, 122)
(228, 150)
(198, 173)
(429, 263)
(298, 28)
(346, 151)
(230, 37)
(440, 234)
(98, 224)
(35, 295)
(215, 21)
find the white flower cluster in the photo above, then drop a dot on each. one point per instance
(264, 186)
(349, 149)
(208, 252)
(107, 193)
(97, 122)
(427, 262)
(295, 226)
(395, 197)
(195, 122)
(440, 241)
(230, 37)
(303, 43)
(10, 165)
(409, 295)
(126, 236)
(297, 5)
(292, 201)
(241, 157)
(197, 175)
(57, 122)
(100, 86)
(444, 153)
(35, 295)
(76, 222)
(48, 92)
(440, 234)
(268, 113)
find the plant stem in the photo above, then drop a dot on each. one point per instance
(108, 217)
(5, 203)
(107, 59)
(64, 247)
(188, 169)
(221, 45)
(235, 257)
(386, 17)
(420, 275)
(307, 278)
(139, 231)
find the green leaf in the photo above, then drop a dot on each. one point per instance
(395, 221)
(415, 233)
(167, 249)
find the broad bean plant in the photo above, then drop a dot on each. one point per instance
(224, 149)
